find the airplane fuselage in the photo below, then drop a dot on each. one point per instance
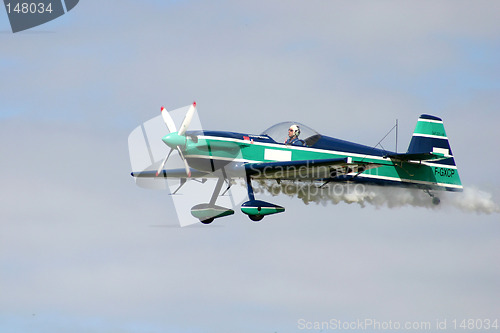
(211, 150)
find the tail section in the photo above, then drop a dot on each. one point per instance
(430, 137)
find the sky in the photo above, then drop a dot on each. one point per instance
(83, 249)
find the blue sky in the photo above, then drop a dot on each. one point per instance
(83, 249)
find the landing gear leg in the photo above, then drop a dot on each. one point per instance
(250, 188)
(228, 181)
(217, 189)
(251, 197)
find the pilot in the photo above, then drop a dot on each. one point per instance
(293, 136)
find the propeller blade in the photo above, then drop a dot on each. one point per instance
(168, 120)
(186, 165)
(164, 161)
(187, 119)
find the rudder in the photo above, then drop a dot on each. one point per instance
(430, 136)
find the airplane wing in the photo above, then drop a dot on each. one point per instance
(308, 169)
(286, 170)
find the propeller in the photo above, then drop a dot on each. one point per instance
(187, 119)
(176, 139)
(188, 170)
(164, 161)
(168, 120)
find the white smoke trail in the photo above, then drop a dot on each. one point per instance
(471, 200)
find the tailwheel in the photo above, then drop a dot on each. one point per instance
(256, 218)
(207, 221)
(435, 200)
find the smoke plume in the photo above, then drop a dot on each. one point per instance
(470, 200)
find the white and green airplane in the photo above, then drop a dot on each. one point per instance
(305, 156)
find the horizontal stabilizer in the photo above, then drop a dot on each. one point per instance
(418, 157)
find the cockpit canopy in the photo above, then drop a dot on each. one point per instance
(279, 132)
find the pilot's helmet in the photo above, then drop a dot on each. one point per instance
(295, 129)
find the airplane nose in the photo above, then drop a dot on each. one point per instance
(173, 140)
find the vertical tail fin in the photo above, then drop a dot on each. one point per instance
(430, 137)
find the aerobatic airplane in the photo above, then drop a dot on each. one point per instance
(293, 151)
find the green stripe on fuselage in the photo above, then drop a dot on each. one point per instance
(418, 174)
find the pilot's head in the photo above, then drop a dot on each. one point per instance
(294, 131)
